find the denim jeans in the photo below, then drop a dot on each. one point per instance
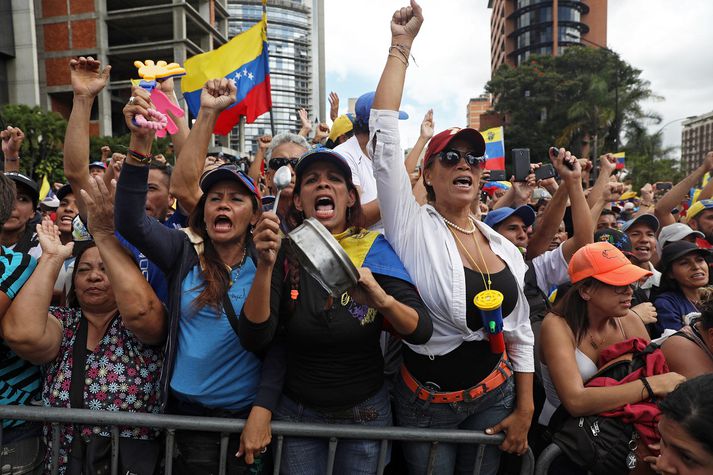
(309, 456)
(484, 412)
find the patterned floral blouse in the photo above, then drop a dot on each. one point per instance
(122, 374)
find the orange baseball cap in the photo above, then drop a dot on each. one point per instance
(605, 263)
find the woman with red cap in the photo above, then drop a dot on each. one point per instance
(463, 377)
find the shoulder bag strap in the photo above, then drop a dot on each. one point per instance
(230, 312)
(79, 363)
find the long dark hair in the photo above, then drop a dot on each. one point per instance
(691, 406)
(573, 308)
(214, 271)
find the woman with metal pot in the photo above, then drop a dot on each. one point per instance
(334, 360)
(476, 372)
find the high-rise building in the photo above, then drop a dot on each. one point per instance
(295, 35)
(696, 141)
(521, 28)
(477, 106)
(48, 33)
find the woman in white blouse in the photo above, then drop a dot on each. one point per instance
(455, 380)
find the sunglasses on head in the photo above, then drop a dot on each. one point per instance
(451, 158)
(277, 162)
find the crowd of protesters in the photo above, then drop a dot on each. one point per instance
(151, 288)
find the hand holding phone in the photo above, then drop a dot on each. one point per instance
(521, 163)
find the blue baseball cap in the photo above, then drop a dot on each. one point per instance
(646, 219)
(362, 108)
(98, 164)
(228, 172)
(499, 215)
(321, 154)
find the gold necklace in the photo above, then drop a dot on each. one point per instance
(487, 284)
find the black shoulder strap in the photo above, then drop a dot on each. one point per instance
(79, 364)
(230, 312)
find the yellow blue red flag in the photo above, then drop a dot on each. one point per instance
(620, 160)
(494, 148)
(244, 59)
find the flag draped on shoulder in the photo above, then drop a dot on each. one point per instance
(494, 148)
(244, 59)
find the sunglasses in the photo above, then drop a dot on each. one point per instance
(451, 158)
(277, 162)
(621, 289)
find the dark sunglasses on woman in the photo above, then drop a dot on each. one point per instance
(277, 162)
(451, 158)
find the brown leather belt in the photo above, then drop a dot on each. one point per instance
(501, 374)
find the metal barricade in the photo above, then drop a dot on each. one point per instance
(170, 423)
(544, 461)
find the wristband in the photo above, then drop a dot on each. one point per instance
(145, 159)
(647, 386)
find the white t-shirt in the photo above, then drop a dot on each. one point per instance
(362, 173)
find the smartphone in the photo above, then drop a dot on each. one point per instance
(664, 186)
(545, 171)
(484, 197)
(497, 175)
(521, 163)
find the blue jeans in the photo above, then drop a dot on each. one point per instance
(309, 456)
(484, 412)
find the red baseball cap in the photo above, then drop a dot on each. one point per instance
(441, 140)
(605, 263)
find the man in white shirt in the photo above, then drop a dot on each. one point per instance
(354, 151)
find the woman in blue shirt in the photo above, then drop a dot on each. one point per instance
(210, 269)
(684, 270)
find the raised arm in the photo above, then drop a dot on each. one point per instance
(427, 127)
(12, 138)
(156, 241)
(216, 96)
(255, 170)
(607, 165)
(27, 327)
(140, 309)
(581, 219)
(678, 193)
(333, 106)
(88, 80)
(306, 125)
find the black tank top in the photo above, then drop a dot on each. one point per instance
(472, 361)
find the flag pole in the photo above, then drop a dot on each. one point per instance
(272, 119)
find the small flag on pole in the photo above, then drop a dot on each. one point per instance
(620, 163)
(494, 148)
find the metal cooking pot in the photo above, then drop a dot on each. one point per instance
(322, 256)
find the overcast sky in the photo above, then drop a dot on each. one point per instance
(670, 41)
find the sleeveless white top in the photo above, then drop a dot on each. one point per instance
(587, 369)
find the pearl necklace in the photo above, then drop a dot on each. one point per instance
(458, 228)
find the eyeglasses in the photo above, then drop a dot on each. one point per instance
(277, 162)
(621, 289)
(451, 158)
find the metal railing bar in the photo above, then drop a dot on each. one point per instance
(114, 450)
(479, 459)
(331, 455)
(278, 454)
(55, 447)
(224, 439)
(383, 451)
(432, 457)
(170, 441)
(528, 463)
(1, 444)
(215, 424)
(548, 455)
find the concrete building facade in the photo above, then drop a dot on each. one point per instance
(696, 141)
(521, 28)
(48, 33)
(295, 34)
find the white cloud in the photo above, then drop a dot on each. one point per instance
(670, 41)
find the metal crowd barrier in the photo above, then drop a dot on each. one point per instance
(171, 423)
(544, 461)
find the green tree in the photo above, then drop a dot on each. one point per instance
(41, 153)
(120, 143)
(569, 100)
(647, 160)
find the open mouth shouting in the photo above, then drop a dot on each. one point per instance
(222, 224)
(324, 207)
(463, 182)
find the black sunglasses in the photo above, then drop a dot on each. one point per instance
(277, 162)
(451, 158)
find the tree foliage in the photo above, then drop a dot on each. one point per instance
(571, 100)
(41, 153)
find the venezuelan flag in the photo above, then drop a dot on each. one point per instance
(494, 148)
(620, 157)
(371, 249)
(243, 59)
